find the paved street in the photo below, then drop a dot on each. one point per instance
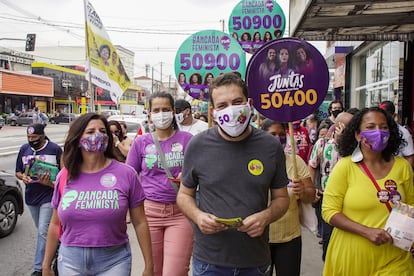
(311, 254)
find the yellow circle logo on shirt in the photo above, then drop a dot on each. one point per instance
(255, 167)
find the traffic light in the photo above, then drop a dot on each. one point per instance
(30, 42)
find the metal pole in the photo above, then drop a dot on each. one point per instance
(152, 80)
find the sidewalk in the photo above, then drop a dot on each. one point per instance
(312, 264)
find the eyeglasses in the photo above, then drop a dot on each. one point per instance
(117, 132)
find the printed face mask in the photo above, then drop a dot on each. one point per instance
(376, 139)
(233, 120)
(94, 143)
(179, 118)
(162, 120)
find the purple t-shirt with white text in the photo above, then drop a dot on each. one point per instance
(195, 90)
(93, 207)
(143, 157)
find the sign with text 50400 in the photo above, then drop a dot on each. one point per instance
(287, 79)
(208, 52)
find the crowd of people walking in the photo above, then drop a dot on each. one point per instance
(220, 200)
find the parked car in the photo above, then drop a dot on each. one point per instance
(134, 123)
(11, 202)
(62, 118)
(25, 118)
(110, 112)
(1, 122)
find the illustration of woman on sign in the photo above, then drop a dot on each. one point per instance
(105, 53)
(246, 42)
(304, 62)
(285, 67)
(182, 81)
(235, 36)
(267, 36)
(208, 79)
(257, 41)
(268, 67)
(195, 87)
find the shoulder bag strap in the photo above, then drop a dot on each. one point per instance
(374, 182)
(63, 180)
(162, 157)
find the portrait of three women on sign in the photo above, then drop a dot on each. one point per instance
(284, 60)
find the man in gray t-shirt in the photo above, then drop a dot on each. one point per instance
(236, 168)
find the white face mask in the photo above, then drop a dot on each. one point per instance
(179, 118)
(162, 120)
(233, 120)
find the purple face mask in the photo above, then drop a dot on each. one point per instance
(376, 139)
(95, 143)
(282, 140)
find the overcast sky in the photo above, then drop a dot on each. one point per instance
(153, 30)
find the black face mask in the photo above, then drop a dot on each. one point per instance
(335, 113)
(35, 144)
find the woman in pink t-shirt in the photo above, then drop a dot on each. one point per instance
(171, 232)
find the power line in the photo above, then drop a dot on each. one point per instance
(63, 25)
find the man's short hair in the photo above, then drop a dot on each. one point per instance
(387, 106)
(334, 102)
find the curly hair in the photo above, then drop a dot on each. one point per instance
(348, 142)
(72, 154)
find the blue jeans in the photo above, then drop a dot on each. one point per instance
(102, 261)
(41, 215)
(205, 269)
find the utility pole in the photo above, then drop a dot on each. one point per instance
(222, 24)
(161, 72)
(152, 80)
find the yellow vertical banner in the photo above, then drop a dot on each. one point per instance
(104, 66)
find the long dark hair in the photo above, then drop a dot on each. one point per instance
(348, 142)
(72, 154)
(170, 98)
(119, 129)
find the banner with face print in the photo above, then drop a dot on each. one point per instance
(104, 63)
(253, 23)
(203, 56)
(287, 79)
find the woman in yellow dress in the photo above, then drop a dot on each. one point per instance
(358, 209)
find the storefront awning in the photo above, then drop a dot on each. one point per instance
(352, 20)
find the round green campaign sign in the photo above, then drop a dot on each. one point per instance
(208, 52)
(253, 23)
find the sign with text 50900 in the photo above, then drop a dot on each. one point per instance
(256, 22)
(287, 79)
(208, 52)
